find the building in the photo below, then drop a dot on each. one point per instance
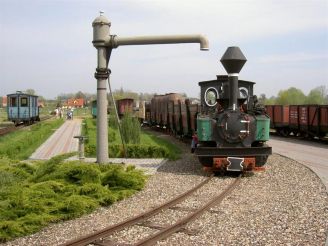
(4, 102)
(75, 103)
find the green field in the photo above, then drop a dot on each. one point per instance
(3, 115)
(21, 144)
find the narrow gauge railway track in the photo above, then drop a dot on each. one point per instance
(8, 129)
(99, 238)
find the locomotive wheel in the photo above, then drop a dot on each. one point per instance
(206, 161)
(261, 160)
(284, 132)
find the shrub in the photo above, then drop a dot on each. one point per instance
(6, 178)
(79, 173)
(117, 177)
(77, 205)
(57, 190)
(46, 169)
(104, 196)
(130, 129)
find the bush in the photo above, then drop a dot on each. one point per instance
(104, 195)
(150, 146)
(34, 196)
(77, 205)
(148, 151)
(130, 129)
(79, 173)
(46, 169)
(133, 151)
(117, 177)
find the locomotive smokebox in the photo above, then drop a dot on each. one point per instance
(233, 60)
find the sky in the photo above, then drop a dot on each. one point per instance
(46, 45)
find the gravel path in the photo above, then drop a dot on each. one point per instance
(285, 205)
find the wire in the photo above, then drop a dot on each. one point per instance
(116, 114)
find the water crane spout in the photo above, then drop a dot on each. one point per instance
(115, 41)
(105, 43)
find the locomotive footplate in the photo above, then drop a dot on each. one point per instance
(233, 151)
(232, 158)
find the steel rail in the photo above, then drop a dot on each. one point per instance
(6, 130)
(90, 238)
(164, 233)
(9, 129)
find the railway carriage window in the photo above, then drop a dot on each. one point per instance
(211, 95)
(13, 102)
(24, 102)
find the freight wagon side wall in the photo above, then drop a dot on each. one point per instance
(313, 115)
(184, 118)
(293, 117)
(303, 114)
(323, 128)
(269, 112)
(280, 116)
(177, 117)
(193, 109)
(171, 122)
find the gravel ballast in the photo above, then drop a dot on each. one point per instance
(285, 205)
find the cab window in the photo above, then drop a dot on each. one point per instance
(24, 102)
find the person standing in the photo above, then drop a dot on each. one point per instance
(194, 142)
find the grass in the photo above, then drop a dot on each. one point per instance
(21, 144)
(32, 196)
(150, 145)
(3, 115)
(150, 139)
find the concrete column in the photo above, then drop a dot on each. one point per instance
(100, 33)
(102, 122)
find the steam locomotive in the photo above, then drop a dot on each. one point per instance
(232, 127)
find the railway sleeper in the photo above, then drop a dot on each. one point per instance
(157, 226)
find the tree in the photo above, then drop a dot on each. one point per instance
(317, 95)
(130, 129)
(80, 94)
(30, 91)
(262, 99)
(270, 101)
(292, 96)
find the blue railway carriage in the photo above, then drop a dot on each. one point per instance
(22, 108)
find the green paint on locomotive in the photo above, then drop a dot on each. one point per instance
(262, 127)
(204, 129)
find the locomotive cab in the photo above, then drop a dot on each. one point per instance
(232, 128)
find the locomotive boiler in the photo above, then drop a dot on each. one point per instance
(232, 127)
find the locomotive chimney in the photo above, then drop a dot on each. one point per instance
(233, 60)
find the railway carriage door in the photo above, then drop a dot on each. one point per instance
(13, 111)
(24, 108)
